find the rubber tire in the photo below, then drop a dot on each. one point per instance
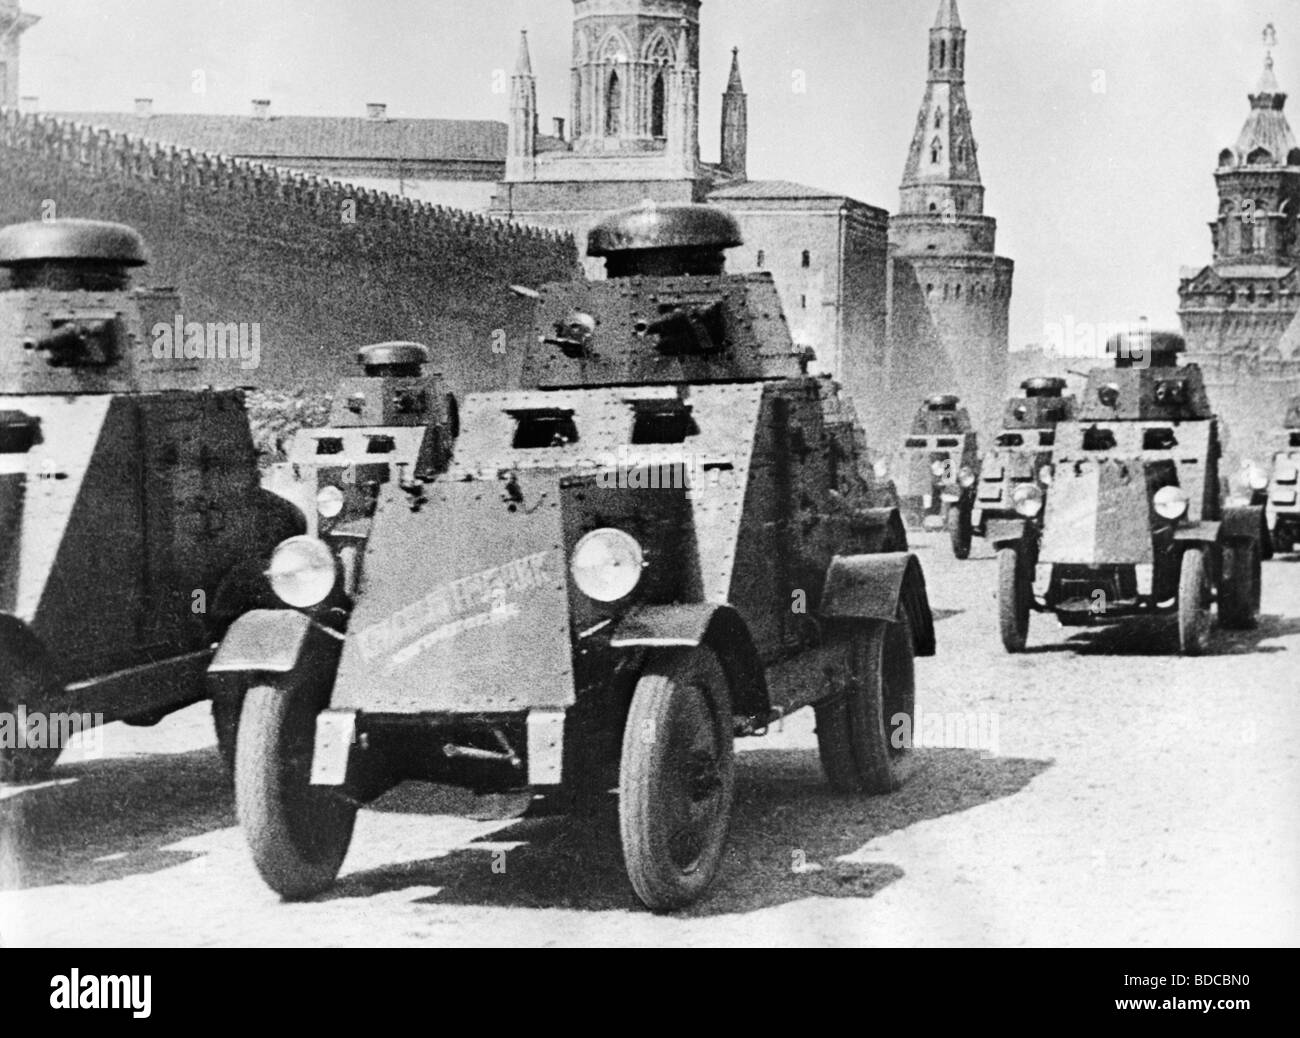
(961, 531)
(1239, 592)
(1193, 603)
(26, 684)
(1014, 593)
(854, 729)
(298, 834)
(649, 778)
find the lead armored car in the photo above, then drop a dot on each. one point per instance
(132, 524)
(1134, 523)
(648, 552)
(1018, 468)
(395, 422)
(938, 469)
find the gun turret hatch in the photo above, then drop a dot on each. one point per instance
(71, 255)
(396, 359)
(665, 241)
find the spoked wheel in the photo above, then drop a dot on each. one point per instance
(677, 778)
(25, 683)
(1239, 591)
(1193, 604)
(961, 530)
(298, 833)
(864, 735)
(1015, 594)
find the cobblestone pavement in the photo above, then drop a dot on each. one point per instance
(1133, 797)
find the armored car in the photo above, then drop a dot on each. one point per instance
(132, 525)
(392, 423)
(1282, 481)
(1134, 523)
(1017, 468)
(658, 546)
(937, 471)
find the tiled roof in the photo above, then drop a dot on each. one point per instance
(772, 189)
(318, 137)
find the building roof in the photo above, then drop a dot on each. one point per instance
(1267, 126)
(1289, 344)
(948, 18)
(323, 137)
(773, 190)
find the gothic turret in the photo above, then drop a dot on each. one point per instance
(522, 143)
(735, 122)
(13, 23)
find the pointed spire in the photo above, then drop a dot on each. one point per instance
(948, 17)
(734, 84)
(1268, 85)
(524, 66)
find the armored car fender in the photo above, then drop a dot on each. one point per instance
(879, 587)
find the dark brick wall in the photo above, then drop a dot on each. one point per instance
(246, 243)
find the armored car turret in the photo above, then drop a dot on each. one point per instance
(662, 543)
(1133, 523)
(132, 524)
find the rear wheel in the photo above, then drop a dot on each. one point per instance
(677, 778)
(1239, 591)
(864, 735)
(1193, 603)
(298, 833)
(961, 530)
(1015, 593)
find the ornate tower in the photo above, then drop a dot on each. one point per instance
(13, 23)
(1235, 312)
(735, 122)
(950, 294)
(522, 136)
(635, 81)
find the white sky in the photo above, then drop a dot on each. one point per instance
(1100, 197)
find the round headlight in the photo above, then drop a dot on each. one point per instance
(881, 469)
(1170, 502)
(1255, 477)
(966, 477)
(939, 468)
(1028, 500)
(329, 501)
(607, 565)
(302, 572)
(1046, 475)
(1108, 395)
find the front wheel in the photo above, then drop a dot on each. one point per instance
(961, 529)
(1193, 604)
(24, 683)
(865, 734)
(298, 833)
(677, 778)
(1015, 593)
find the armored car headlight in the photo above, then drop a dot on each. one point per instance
(607, 565)
(1255, 476)
(939, 468)
(329, 501)
(1170, 502)
(1045, 475)
(302, 572)
(1028, 500)
(881, 469)
(966, 477)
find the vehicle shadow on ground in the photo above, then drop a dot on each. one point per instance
(1159, 637)
(788, 835)
(101, 820)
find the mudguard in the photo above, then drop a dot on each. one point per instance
(876, 587)
(1002, 533)
(720, 627)
(274, 641)
(1198, 533)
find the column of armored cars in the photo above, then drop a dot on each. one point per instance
(667, 538)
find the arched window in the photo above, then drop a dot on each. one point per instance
(943, 53)
(657, 106)
(933, 208)
(807, 258)
(938, 118)
(762, 259)
(614, 106)
(1227, 157)
(1260, 157)
(1293, 157)
(958, 296)
(936, 147)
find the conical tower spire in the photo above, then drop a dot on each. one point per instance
(948, 17)
(524, 64)
(521, 144)
(735, 122)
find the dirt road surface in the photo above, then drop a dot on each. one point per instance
(1132, 797)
